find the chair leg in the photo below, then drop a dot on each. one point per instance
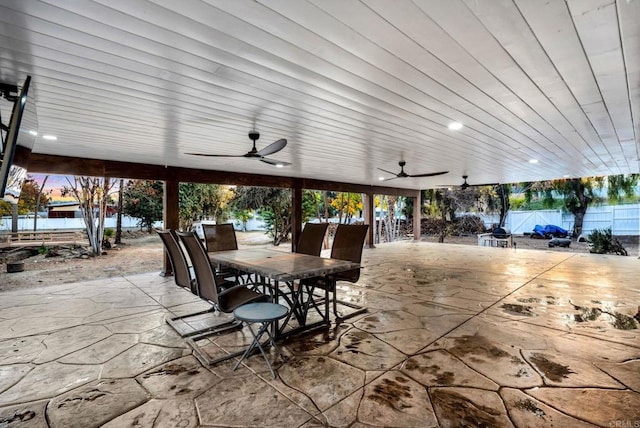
(205, 358)
(178, 326)
(359, 309)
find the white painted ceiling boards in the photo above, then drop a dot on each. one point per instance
(352, 85)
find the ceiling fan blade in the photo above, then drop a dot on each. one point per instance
(274, 162)
(388, 172)
(215, 156)
(465, 185)
(273, 148)
(430, 174)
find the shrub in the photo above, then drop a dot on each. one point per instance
(468, 225)
(432, 226)
(603, 242)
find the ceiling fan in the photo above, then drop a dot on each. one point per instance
(466, 185)
(255, 153)
(403, 174)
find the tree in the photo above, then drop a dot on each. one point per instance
(495, 199)
(621, 186)
(118, 239)
(142, 199)
(40, 201)
(215, 200)
(310, 204)
(315, 204)
(440, 202)
(30, 197)
(244, 216)
(390, 221)
(274, 206)
(346, 205)
(199, 201)
(93, 194)
(503, 191)
(576, 194)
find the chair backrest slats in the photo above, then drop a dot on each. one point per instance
(181, 273)
(205, 274)
(348, 243)
(220, 237)
(311, 239)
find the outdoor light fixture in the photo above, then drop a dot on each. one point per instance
(455, 126)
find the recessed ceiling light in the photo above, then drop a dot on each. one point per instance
(533, 160)
(567, 175)
(381, 178)
(34, 133)
(279, 165)
(50, 137)
(455, 126)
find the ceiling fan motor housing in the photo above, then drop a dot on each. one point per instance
(402, 174)
(254, 135)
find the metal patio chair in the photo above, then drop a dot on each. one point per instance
(311, 239)
(222, 237)
(210, 289)
(184, 278)
(347, 244)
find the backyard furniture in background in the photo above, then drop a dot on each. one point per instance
(549, 231)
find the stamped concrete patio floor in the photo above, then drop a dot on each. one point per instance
(453, 336)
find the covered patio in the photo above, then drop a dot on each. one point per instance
(454, 336)
(499, 92)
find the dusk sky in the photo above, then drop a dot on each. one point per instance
(55, 184)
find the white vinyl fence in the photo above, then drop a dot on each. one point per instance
(622, 219)
(26, 224)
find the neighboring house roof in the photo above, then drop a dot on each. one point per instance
(64, 206)
(65, 209)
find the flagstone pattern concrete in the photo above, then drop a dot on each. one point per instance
(453, 336)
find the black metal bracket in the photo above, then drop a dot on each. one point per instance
(9, 92)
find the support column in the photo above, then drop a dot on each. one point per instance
(170, 210)
(417, 213)
(14, 218)
(370, 216)
(296, 217)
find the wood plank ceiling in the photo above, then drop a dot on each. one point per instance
(352, 85)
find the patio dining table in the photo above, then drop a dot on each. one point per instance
(277, 268)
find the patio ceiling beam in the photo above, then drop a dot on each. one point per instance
(66, 165)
